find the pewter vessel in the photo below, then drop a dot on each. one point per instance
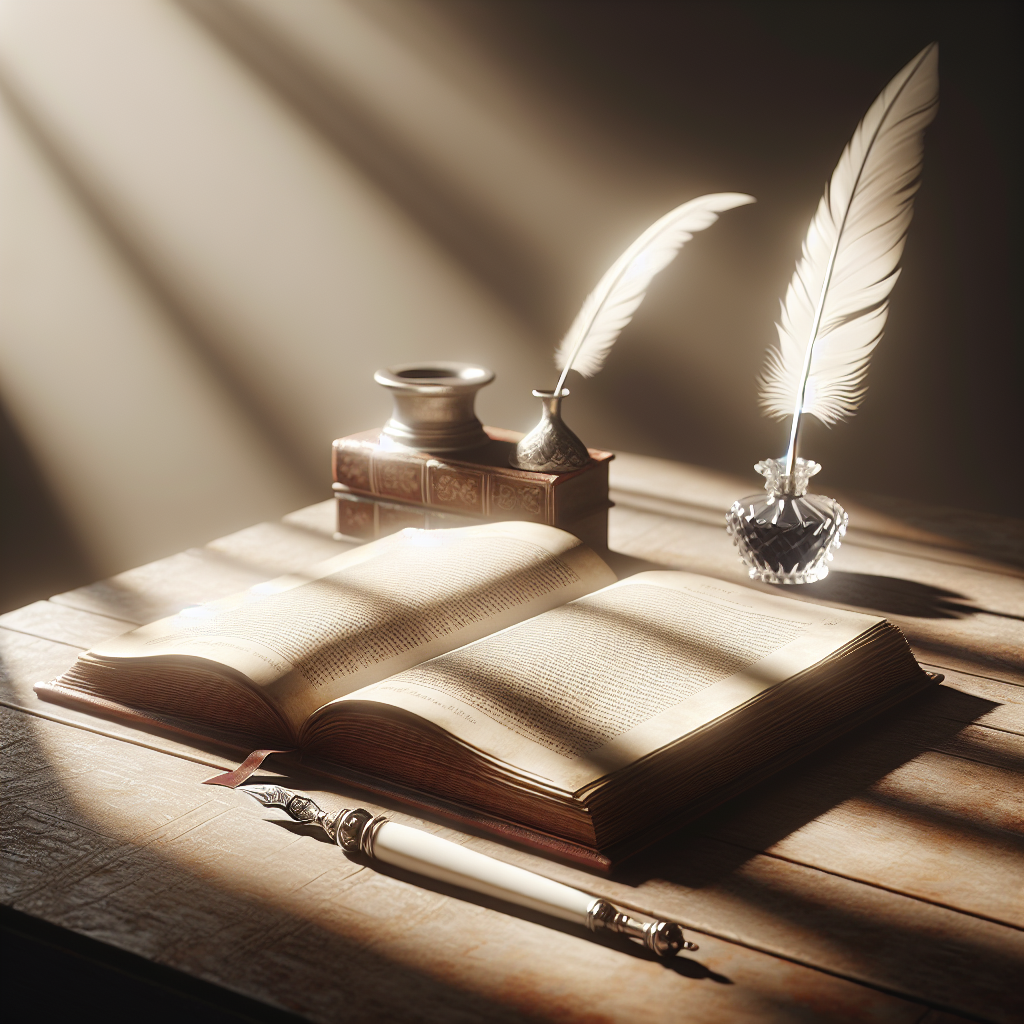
(551, 447)
(433, 406)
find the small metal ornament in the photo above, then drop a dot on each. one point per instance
(664, 938)
(551, 447)
(787, 535)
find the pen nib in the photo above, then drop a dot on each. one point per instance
(270, 796)
(301, 808)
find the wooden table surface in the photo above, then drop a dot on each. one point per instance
(878, 880)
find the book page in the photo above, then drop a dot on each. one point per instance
(593, 686)
(366, 614)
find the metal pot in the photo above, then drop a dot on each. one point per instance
(433, 408)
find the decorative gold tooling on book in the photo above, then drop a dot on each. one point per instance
(509, 497)
(353, 469)
(460, 489)
(379, 608)
(400, 479)
(637, 651)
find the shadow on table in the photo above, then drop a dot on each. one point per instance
(909, 957)
(894, 596)
(171, 931)
(908, 945)
(787, 801)
(889, 595)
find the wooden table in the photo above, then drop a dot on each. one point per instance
(877, 880)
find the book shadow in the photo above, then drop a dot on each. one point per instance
(626, 565)
(716, 845)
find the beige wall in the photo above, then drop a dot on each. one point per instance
(220, 216)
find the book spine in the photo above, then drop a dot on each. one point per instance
(363, 518)
(482, 491)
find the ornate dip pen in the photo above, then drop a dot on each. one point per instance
(359, 831)
(832, 319)
(551, 447)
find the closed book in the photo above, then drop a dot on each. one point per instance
(478, 483)
(363, 518)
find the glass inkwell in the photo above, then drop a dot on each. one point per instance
(786, 535)
(832, 317)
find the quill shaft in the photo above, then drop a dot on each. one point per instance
(611, 305)
(836, 304)
(588, 327)
(830, 268)
(794, 433)
(420, 852)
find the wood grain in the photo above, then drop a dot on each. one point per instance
(1006, 699)
(875, 879)
(939, 828)
(953, 615)
(226, 566)
(53, 621)
(125, 846)
(845, 813)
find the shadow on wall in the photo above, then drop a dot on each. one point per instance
(39, 553)
(245, 207)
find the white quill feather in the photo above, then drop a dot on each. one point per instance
(611, 305)
(836, 305)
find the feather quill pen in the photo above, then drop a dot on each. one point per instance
(836, 304)
(611, 305)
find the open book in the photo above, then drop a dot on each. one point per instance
(500, 676)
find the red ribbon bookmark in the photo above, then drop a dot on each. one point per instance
(244, 770)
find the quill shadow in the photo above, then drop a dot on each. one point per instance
(894, 596)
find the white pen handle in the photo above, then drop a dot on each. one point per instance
(359, 831)
(425, 854)
(414, 850)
